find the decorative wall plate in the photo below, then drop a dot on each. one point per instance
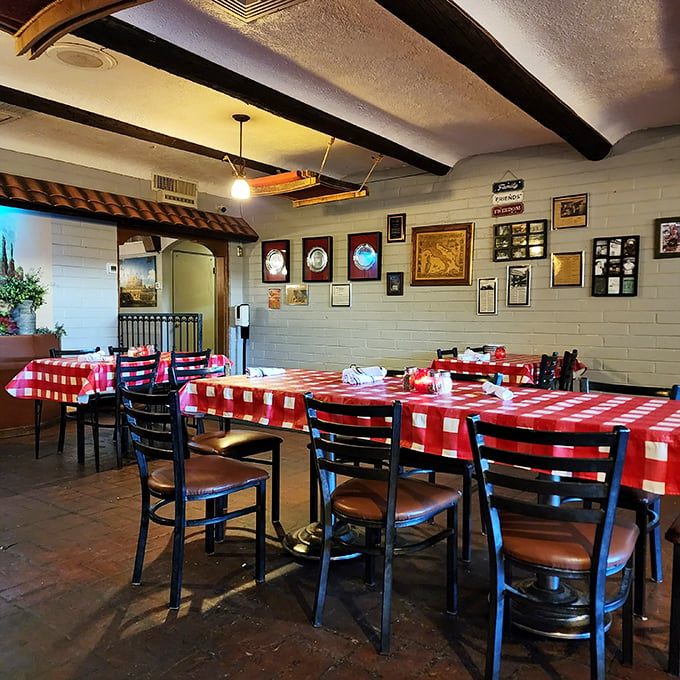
(364, 256)
(275, 261)
(317, 259)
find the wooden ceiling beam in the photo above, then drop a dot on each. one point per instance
(457, 34)
(121, 37)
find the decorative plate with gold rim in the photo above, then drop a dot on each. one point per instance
(364, 256)
(317, 260)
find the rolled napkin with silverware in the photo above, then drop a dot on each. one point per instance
(357, 375)
(92, 356)
(261, 372)
(497, 390)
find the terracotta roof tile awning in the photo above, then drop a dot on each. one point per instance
(173, 220)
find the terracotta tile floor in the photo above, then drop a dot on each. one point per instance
(67, 609)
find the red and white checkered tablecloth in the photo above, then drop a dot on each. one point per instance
(436, 423)
(72, 380)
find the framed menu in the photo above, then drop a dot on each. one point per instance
(520, 240)
(616, 261)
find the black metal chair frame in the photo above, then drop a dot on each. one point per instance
(507, 492)
(158, 433)
(566, 379)
(342, 449)
(546, 372)
(453, 352)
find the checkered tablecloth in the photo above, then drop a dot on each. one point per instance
(71, 380)
(436, 423)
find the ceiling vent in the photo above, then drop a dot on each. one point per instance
(250, 10)
(175, 190)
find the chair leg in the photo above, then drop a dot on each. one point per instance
(467, 516)
(276, 492)
(655, 545)
(674, 641)
(177, 557)
(141, 540)
(372, 541)
(260, 530)
(386, 614)
(627, 630)
(324, 565)
(640, 574)
(210, 505)
(452, 561)
(62, 428)
(596, 626)
(495, 631)
(94, 424)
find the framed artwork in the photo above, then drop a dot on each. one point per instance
(274, 298)
(395, 283)
(297, 295)
(341, 294)
(616, 261)
(137, 276)
(487, 296)
(667, 237)
(520, 240)
(317, 259)
(364, 256)
(519, 285)
(396, 228)
(566, 269)
(442, 255)
(275, 261)
(570, 211)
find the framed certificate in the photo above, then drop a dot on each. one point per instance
(317, 259)
(275, 261)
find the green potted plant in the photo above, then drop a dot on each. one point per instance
(23, 293)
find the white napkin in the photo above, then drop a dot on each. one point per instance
(92, 356)
(469, 355)
(355, 375)
(260, 372)
(497, 390)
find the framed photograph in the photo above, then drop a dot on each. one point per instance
(520, 240)
(275, 261)
(274, 298)
(566, 269)
(570, 211)
(616, 261)
(442, 255)
(137, 276)
(487, 296)
(297, 295)
(395, 283)
(667, 237)
(519, 285)
(364, 256)
(341, 294)
(396, 228)
(317, 259)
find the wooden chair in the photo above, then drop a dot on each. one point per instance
(566, 379)
(645, 505)
(374, 496)
(453, 353)
(158, 433)
(527, 532)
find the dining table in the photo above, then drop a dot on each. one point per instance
(77, 380)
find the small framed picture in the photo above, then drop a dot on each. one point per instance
(275, 259)
(487, 296)
(520, 240)
(570, 211)
(519, 285)
(395, 283)
(667, 237)
(396, 228)
(364, 256)
(566, 269)
(341, 294)
(317, 259)
(297, 295)
(274, 298)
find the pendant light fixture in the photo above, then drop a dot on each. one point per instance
(240, 188)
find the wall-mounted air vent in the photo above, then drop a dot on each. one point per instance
(250, 10)
(175, 190)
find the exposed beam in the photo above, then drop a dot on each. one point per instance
(147, 48)
(458, 35)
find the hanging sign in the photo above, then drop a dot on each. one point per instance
(507, 185)
(510, 209)
(507, 197)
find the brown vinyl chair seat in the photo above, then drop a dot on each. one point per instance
(233, 442)
(563, 545)
(206, 475)
(366, 499)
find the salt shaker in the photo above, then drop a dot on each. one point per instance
(445, 382)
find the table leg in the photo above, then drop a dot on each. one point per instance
(37, 406)
(80, 433)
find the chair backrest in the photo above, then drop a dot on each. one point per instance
(566, 379)
(546, 371)
(503, 454)
(453, 352)
(179, 376)
(185, 366)
(588, 385)
(56, 353)
(117, 350)
(496, 378)
(137, 373)
(355, 441)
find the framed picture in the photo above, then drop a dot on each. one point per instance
(317, 259)
(616, 261)
(396, 228)
(275, 261)
(395, 283)
(667, 237)
(137, 276)
(274, 298)
(341, 294)
(566, 269)
(519, 285)
(570, 211)
(487, 296)
(364, 256)
(442, 255)
(297, 295)
(520, 240)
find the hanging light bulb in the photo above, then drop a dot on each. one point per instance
(240, 188)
